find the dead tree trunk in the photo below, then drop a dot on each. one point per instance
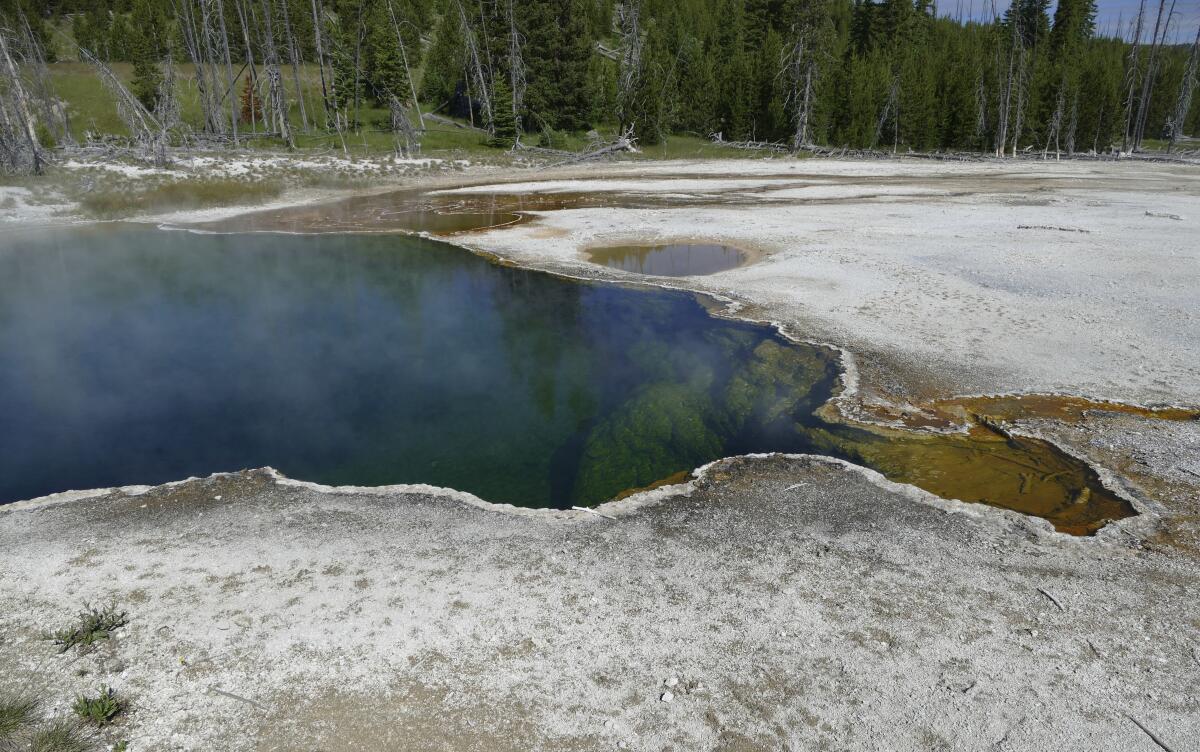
(230, 78)
(195, 36)
(52, 111)
(1183, 102)
(1151, 71)
(1072, 124)
(1004, 101)
(294, 57)
(628, 26)
(245, 19)
(476, 67)
(20, 123)
(1022, 86)
(318, 40)
(1133, 62)
(166, 109)
(889, 111)
(412, 86)
(516, 63)
(408, 140)
(146, 130)
(276, 93)
(1055, 127)
(800, 69)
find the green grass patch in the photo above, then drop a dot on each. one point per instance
(91, 626)
(17, 711)
(99, 710)
(62, 735)
(182, 194)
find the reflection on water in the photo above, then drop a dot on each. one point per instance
(129, 355)
(670, 260)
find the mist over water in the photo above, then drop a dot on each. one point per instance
(130, 355)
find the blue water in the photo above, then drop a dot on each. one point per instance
(130, 355)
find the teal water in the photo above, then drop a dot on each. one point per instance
(131, 355)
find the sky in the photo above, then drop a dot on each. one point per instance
(1113, 15)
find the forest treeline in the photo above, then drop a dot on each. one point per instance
(878, 74)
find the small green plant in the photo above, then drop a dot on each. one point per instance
(99, 711)
(62, 735)
(92, 625)
(121, 746)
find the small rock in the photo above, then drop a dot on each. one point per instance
(671, 682)
(667, 696)
(217, 497)
(608, 723)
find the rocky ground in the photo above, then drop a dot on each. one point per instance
(774, 603)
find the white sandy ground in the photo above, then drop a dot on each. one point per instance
(950, 278)
(794, 604)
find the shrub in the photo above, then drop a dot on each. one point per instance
(99, 711)
(92, 625)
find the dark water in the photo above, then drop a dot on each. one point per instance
(132, 355)
(670, 260)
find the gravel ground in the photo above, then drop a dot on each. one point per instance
(783, 603)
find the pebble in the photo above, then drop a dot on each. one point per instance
(672, 681)
(667, 696)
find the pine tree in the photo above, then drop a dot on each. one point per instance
(504, 122)
(542, 58)
(144, 54)
(445, 63)
(574, 105)
(386, 75)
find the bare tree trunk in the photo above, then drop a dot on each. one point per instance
(53, 114)
(318, 21)
(1004, 101)
(1183, 102)
(1072, 124)
(629, 26)
(475, 64)
(278, 95)
(1151, 72)
(245, 22)
(1022, 84)
(359, 33)
(230, 78)
(800, 70)
(195, 35)
(146, 129)
(889, 110)
(1143, 98)
(294, 57)
(412, 86)
(980, 109)
(25, 123)
(1133, 61)
(516, 64)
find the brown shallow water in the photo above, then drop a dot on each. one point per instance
(985, 464)
(435, 213)
(671, 259)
